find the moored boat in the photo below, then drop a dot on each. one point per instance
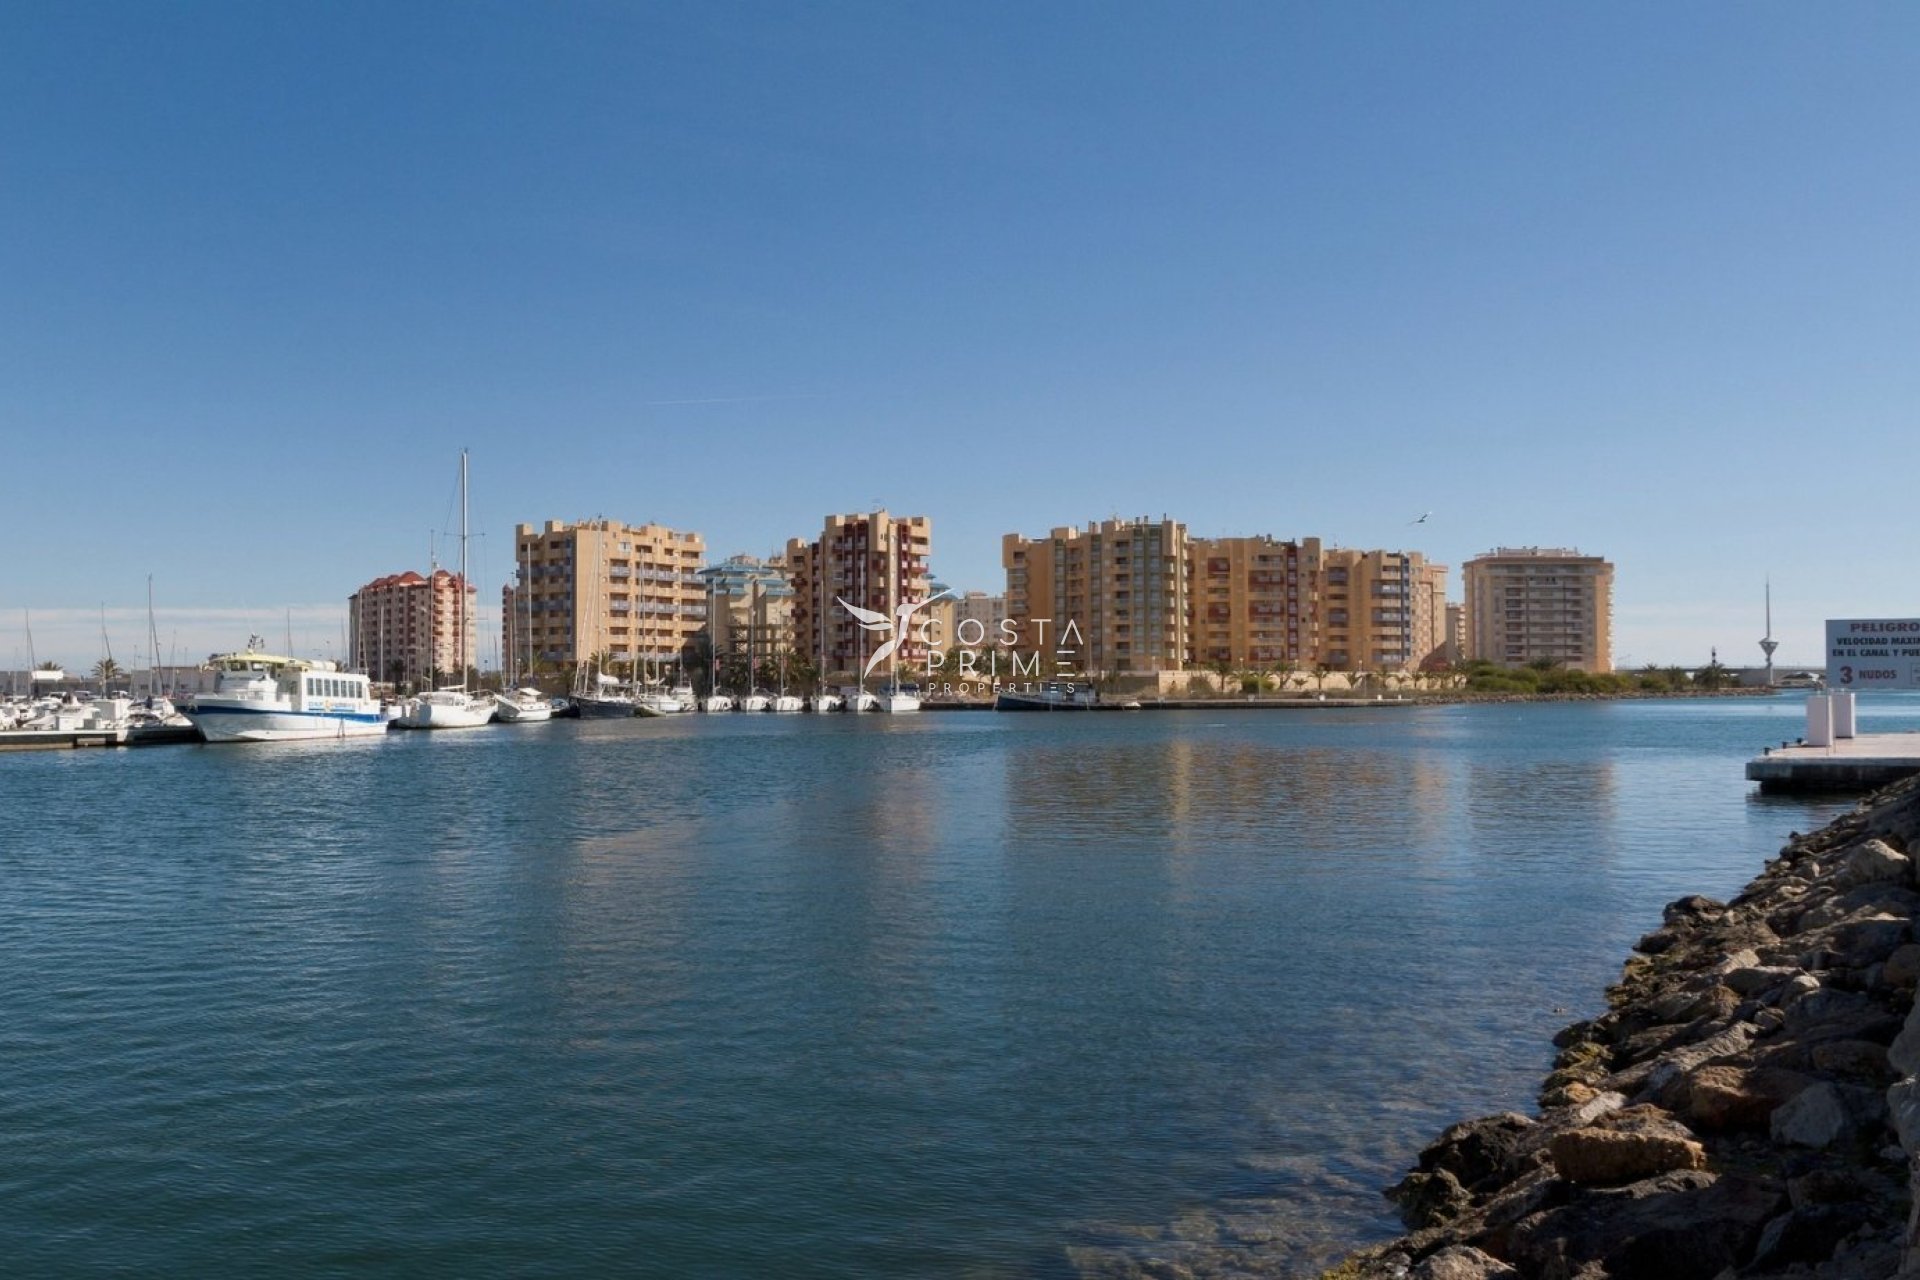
(261, 697)
(522, 706)
(1051, 696)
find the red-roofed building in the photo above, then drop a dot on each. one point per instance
(404, 627)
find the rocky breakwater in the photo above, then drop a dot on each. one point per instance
(1749, 1104)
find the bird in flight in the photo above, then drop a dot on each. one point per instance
(1421, 518)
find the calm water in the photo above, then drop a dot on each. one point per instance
(955, 995)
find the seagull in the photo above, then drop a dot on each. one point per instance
(1421, 518)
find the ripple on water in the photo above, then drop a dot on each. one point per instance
(968, 996)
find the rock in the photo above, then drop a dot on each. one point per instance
(1691, 909)
(1746, 958)
(1860, 943)
(1731, 1097)
(1903, 1101)
(1806, 1235)
(1594, 1156)
(1462, 1262)
(1827, 1008)
(1822, 1116)
(1754, 979)
(1476, 1150)
(1429, 1199)
(1873, 861)
(1903, 966)
(1798, 988)
(1866, 899)
(1904, 1055)
(1680, 1226)
(1851, 1058)
(1658, 942)
(1731, 1043)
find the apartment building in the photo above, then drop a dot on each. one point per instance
(600, 586)
(977, 608)
(1530, 604)
(406, 629)
(1380, 610)
(749, 607)
(875, 560)
(1254, 601)
(1124, 585)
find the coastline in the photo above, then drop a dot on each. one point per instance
(1749, 1103)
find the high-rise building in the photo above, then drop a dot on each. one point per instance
(985, 611)
(1110, 599)
(600, 586)
(874, 560)
(1254, 602)
(749, 609)
(1534, 604)
(405, 629)
(1379, 610)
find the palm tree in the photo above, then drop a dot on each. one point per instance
(106, 669)
(1222, 668)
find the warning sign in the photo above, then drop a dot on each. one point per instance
(1873, 653)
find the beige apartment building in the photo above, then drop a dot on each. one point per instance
(749, 608)
(977, 608)
(1254, 602)
(1382, 611)
(405, 629)
(875, 560)
(1531, 604)
(600, 586)
(1124, 585)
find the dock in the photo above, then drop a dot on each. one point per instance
(1864, 763)
(70, 739)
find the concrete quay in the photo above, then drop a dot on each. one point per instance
(1864, 763)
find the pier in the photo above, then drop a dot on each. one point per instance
(1864, 763)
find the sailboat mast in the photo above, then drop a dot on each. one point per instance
(460, 601)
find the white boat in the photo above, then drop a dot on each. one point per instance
(261, 697)
(900, 698)
(756, 701)
(821, 703)
(858, 699)
(452, 708)
(446, 709)
(787, 704)
(656, 702)
(716, 702)
(523, 706)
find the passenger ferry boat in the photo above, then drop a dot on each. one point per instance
(262, 697)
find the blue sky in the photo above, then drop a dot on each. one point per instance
(1636, 278)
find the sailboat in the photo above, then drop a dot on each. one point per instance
(756, 699)
(823, 701)
(523, 704)
(452, 707)
(785, 703)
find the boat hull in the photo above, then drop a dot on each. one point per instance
(1006, 700)
(446, 715)
(512, 712)
(603, 708)
(218, 723)
(899, 703)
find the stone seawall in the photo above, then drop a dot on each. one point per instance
(1749, 1105)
